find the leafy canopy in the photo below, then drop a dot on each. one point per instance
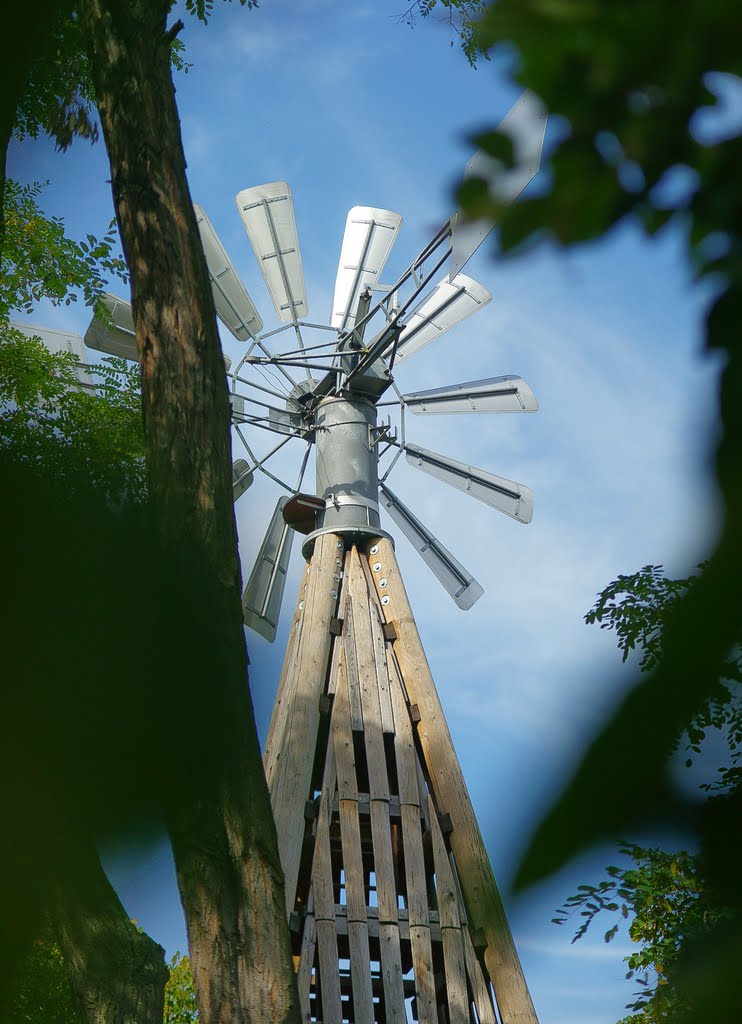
(668, 899)
(39, 260)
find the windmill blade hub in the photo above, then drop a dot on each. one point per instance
(346, 468)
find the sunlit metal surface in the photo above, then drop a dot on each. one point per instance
(367, 241)
(495, 394)
(455, 579)
(447, 305)
(261, 601)
(234, 307)
(514, 499)
(267, 212)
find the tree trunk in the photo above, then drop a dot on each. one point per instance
(220, 822)
(116, 972)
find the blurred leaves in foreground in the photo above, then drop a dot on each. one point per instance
(676, 904)
(647, 101)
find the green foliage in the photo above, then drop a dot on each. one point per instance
(39, 261)
(43, 994)
(462, 17)
(58, 97)
(665, 899)
(71, 434)
(203, 9)
(633, 112)
(637, 608)
(180, 995)
(649, 134)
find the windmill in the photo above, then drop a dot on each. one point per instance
(390, 896)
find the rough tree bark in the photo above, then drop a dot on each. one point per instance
(116, 972)
(223, 835)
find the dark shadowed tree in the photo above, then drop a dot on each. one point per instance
(220, 820)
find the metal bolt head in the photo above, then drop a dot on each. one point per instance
(340, 544)
(301, 606)
(374, 550)
(385, 599)
(383, 583)
(376, 566)
(336, 577)
(338, 561)
(333, 593)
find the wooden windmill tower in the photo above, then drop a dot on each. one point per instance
(390, 895)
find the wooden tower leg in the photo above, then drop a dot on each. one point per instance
(394, 918)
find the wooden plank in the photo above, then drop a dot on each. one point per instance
(377, 628)
(386, 889)
(382, 673)
(367, 680)
(360, 972)
(337, 644)
(422, 787)
(350, 835)
(457, 994)
(480, 890)
(422, 964)
(286, 686)
(292, 776)
(480, 990)
(404, 744)
(323, 896)
(342, 738)
(322, 885)
(418, 912)
(414, 858)
(351, 668)
(329, 975)
(448, 897)
(391, 973)
(374, 741)
(306, 964)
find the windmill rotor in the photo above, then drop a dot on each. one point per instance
(325, 384)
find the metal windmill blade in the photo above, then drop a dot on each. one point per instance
(449, 303)
(452, 575)
(525, 126)
(267, 212)
(262, 597)
(367, 241)
(242, 477)
(60, 341)
(514, 499)
(117, 338)
(234, 307)
(494, 394)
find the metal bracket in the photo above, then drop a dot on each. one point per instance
(383, 432)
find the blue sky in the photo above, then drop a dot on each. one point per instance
(352, 107)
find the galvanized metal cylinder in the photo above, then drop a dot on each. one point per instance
(347, 464)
